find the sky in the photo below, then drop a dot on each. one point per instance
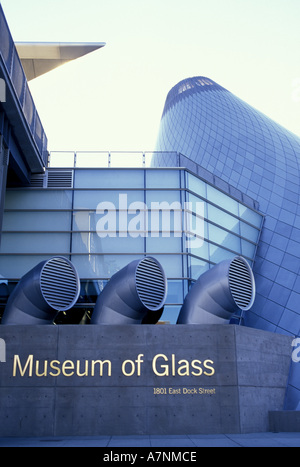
(112, 99)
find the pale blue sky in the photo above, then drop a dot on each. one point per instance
(113, 98)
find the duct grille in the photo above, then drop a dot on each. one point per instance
(59, 284)
(151, 284)
(241, 282)
(52, 179)
(60, 179)
(37, 181)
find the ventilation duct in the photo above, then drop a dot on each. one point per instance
(136, 293)
(218, 293)
(50, 287)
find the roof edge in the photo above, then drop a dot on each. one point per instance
(39, 58)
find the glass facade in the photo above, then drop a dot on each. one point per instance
(102, 219)
(242, 147)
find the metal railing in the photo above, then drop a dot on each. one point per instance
(10, 58)
(108, 159)
(140, 159)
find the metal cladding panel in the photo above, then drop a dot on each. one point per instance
(248, 151)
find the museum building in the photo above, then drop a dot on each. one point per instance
(221, 186)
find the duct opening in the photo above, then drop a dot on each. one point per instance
(241, 283)
(151, 284)
(58, 274)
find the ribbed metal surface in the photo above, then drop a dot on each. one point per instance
(241, 283)
(59, 284)
(37, 180)
(60, 179)
(150, 284)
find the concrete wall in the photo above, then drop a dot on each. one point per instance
(285, 421)
(241, 377)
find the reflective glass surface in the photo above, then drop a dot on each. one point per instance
(111, 217)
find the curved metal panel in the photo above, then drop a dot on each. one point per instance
(50, 287)
(134, 294)
(218, 293)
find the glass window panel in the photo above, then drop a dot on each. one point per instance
(40, 220)
(101, 266)
(202, 251)
(54, 243)
(38, 199)
(90, 290)
(162, 178)
(15, 267)
(196, 185)
(109, 178)
(161, 244)
(126, 159)
(175, 292)
(249, 232)
(221, 237)
(186, 287)
(168, 196)
(217, 254)
(84, 199)
(194, 226)
(85, 220)
(221, 199)
(92, 159)
(172, 264)
(250, 216)
(223, 219)
(163, 222)
(197, 204)
(62, 159)
(170, 315)
(248, 249)
(89, 243)
(197, 267)
(124, 224)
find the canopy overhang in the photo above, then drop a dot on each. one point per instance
(39, 58)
